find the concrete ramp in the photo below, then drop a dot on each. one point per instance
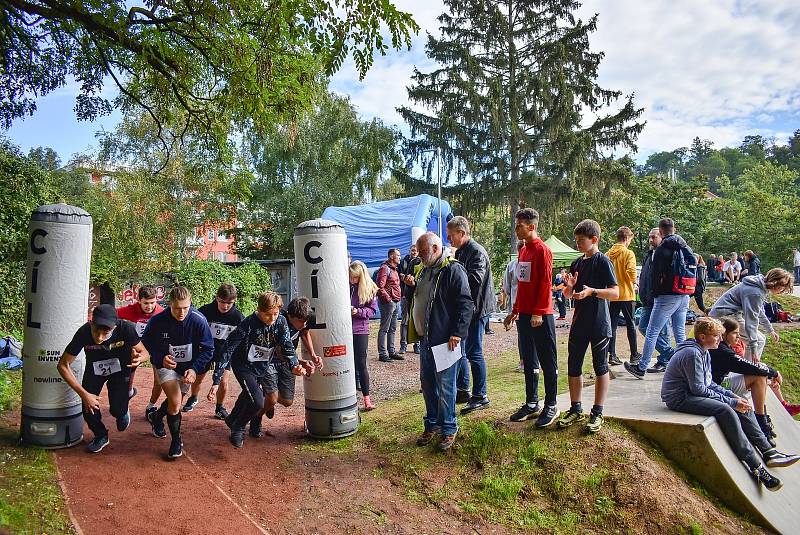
(697, 444)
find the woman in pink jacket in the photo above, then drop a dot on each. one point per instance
(363, 305)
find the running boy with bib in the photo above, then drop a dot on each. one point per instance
(180, 346)
(251, 351)
(112, 350)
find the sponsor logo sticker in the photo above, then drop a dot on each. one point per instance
(334, 351)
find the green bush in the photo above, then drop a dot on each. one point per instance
(203, 277)
(12, 298)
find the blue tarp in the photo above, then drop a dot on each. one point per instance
(372, 229)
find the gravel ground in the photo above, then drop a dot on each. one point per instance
(391, 380)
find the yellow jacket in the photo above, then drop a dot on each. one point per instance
(624, 262)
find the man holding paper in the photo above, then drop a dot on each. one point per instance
(441, 310)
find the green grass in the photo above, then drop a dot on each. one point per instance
(30, 497)
(783, 356)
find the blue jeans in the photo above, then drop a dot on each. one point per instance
(439, 392)
(387, 328)
(665, 308)
(472, 359)
(663, 345)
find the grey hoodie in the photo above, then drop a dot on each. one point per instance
(747, 298)
(689, 374)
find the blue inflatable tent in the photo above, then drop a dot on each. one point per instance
(372, 229)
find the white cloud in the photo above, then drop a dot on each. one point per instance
(719, 70)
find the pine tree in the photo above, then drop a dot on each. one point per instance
(509, 104)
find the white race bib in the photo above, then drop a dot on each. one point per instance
(524, 271)
(106, 367)
(260, 353)
(140, 327)
(181, 353)
(220, 331)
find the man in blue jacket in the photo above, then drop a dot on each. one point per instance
(441, 312)
(181, 346)
(688, 387)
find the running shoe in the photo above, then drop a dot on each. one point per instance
(237, 438)
(570, 417)
(475, 404)
(463, 396)
(158, 424)
(397, 356)
(614, 360)
(427, 437)
(97, 445)
(526, 412)
(634, 370)
(149, 410)
(774, 458)
(447, 442)
(176, 448)
(657, 368)
(191, 403)
(255, 428)
(548, 416)
(220, 413)
(124, 421)
(768, 480)
(595, 423)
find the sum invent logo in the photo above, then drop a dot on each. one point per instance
(334, 351)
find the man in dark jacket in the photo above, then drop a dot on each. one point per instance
(405, 269)
(441, 311)
(667, 303)
(475, 260)
(388, 282)
(646, 296)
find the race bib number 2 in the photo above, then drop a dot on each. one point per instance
(181, 353)
(259, 353)
(106, 367)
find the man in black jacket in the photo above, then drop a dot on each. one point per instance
(668, 304)
(441, 310)
(646, 296)
(475, 260)
(404, 270)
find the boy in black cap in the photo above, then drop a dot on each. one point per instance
(112, 350)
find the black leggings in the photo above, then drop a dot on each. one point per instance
(254, 391)
(626, 307)
(537, 345)
(117, 388)
(360, 342)
(698, 297)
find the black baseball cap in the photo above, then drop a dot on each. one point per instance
(104, 316)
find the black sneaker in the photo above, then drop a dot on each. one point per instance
(384, 359)
(270, 413)
(774, 459)
(614, 360)
(768, 480)
(147, 412)
(124, 421)
(463, 396)
(255, 428)
(526, 413)
(548, 416)
(220, 413)
(396, 356)
(132, 393)
(635, 358)
(475, 404)
(770, 427)
(657, 368)
(416, 349)
(158, 424)
(402, 351)
(176, 448)
(191, 403)
(634, 370)
(97, 445)
(237, 438)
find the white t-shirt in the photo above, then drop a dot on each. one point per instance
(734, 265)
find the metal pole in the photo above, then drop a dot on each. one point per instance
(439, 176)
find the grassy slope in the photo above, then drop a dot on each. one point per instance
(30, 497)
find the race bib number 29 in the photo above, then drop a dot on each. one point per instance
(181, 353)
(259, 353)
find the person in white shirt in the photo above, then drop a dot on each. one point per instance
(796, 261)
(732, 269)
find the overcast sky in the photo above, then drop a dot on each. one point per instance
(719, 69)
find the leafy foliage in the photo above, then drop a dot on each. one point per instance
(203, 277)
(241, 61)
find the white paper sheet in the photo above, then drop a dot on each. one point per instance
(443, 357)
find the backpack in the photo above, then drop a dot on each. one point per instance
(771, 310)
(375, 274)
(684, 272)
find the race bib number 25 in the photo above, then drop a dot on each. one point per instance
(181, 353)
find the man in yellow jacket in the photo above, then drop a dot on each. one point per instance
(624, 262)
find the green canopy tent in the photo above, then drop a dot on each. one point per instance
(563, 254)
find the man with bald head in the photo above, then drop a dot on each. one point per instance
(441, 310)
(646, 297)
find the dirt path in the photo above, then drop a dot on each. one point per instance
(270, 486)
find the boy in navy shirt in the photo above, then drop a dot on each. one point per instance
(112, 350)
(251, 351)
(591, 283)
(180, 345)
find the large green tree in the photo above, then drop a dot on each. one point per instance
(329, 157)
(514, 107)
(250, 61)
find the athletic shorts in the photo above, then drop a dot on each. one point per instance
(286, 380)
(166, 375)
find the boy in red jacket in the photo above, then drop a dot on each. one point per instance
(533, 312)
